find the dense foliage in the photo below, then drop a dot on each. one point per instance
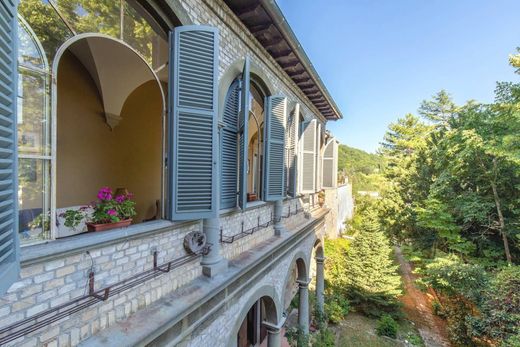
(451, 194)
(361, 270)
(360, 167)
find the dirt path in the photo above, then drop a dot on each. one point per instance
(418, 309)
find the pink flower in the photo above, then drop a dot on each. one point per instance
(105, 193)
(120, 198)
(112, 212)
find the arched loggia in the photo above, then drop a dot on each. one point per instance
(320, 275)
(298, 275)
(259, 319)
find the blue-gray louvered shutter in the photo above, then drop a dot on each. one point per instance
(308, 162)
(292, 153)
(243, 137)
(330, 164)
(193, 122)
(318, 157)
(274, 139)
(228, 148)
(9, 243)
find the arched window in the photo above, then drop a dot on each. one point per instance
(230, 137)
(33, 126)
(256, 149)
(45, 27)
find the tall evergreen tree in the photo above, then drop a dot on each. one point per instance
(373, 282)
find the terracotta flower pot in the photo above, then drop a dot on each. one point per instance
(108, 226)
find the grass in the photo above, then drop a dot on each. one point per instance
(359, 331)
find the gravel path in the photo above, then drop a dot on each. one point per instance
(418, 309)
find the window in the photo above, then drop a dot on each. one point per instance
(34, 155)
(232, 142)
(255, 155)
(63, 142)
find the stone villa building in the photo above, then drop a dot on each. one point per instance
(212, 115)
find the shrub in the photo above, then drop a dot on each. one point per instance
(324, 338)
(387, 326)
(437, 308)
(336, 308)
(296, 337)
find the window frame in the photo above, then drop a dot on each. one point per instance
(51, 72)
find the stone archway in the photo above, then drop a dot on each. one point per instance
(320, 275)
(259, 318)
(298, 273)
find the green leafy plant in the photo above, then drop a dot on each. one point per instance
(336, 308)
(387, 326)
(73, 217)
(296, 337)
(40, 222)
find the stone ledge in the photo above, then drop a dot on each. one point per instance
(166, 317)
(53, 249)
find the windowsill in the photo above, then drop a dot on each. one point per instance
(59, 248)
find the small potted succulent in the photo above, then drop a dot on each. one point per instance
(109, 212)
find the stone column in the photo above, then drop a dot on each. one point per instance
(303, 306)
(320, 283)
(279, 229)
(274, 336)
(213, 262)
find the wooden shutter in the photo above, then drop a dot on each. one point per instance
(308, 164)
(9, 242)
(274, 139)
(228, 148)
(193, 121)
(243, 136)
(292, 152)
(330, 164)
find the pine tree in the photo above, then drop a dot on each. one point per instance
(373, 282)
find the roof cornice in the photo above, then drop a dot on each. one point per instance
(266, 22)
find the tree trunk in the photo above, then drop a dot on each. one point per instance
(501, 218)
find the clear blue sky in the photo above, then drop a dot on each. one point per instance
(380, 58)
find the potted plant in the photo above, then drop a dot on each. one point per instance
(109, 212)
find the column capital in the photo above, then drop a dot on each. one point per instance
(303, 283)
(320, 260)
(274, 328)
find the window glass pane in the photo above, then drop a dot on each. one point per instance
(29, 53)
(33, 122)
(89, 16)
(46, 24)
(256, 101)
(139, 33)
(33, 185)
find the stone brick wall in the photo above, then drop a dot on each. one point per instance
(331, 222)
(47, 284)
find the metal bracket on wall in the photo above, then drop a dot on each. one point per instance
(243, 233)
(47, 317)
